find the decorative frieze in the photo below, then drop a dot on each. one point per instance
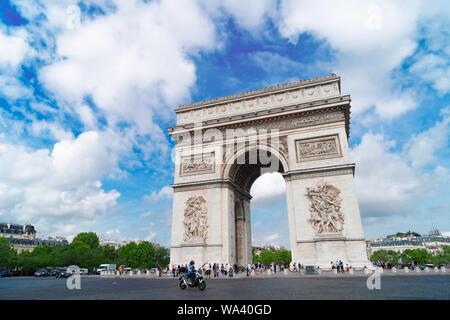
(318, 148)
(325, 208)
(296, 92)
(197, 164)
(195, 219)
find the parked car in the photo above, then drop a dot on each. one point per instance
(4, 274)
(53, 272)
(41, 273)
(63, 273)
(430, 266)
(84, 271)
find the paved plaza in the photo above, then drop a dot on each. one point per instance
(294, 287)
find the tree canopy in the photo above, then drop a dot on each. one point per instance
(266, 257)
(85, 252)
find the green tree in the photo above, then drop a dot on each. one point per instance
(8, 256)
(162, 256)
(89, 238)
(145, 255)
(110, 253)
(385, 256)
(282, 256)
(266, 257)
(420, 255)
(127, 255)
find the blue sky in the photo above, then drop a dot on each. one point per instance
(88, 88)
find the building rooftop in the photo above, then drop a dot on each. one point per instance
(16, 228)
(258, 91)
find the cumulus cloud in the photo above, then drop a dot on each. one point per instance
(368, 40)
(132, 62)
(58, 190)
(390, 181)
(268, 188)
(165, 192)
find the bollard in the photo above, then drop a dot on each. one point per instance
(350, 271)
(406, 269)
(366, 271)
(335, 271)
(319, 271)
(147, 272)
(417, 269)
(443, 269)
(269, 272)
(139, 272)
(285, 272)
(380, 270)
(427, 269)
(394, 269)
(436, 269)
(253, 273)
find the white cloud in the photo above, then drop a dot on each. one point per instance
(390, 181)
(385, 183)
(422, 147)
(271, 238)
(165, 192)
(14, 49)
(132, 62)
(368, 40)
(250, 14)
(59, 191)
(268, 188)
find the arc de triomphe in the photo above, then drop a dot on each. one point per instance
(223, 145)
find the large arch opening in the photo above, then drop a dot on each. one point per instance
(246, 167)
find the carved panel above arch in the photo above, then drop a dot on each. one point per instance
(318, 148)
(197, 164)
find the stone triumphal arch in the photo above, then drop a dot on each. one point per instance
(223, 145)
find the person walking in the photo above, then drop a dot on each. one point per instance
(208, 270)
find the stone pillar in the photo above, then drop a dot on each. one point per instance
(285, 272)
(406, 269)
(394, 269)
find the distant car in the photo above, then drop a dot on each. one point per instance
(84, 271)
(4, 274)
(430, 266)
(53, 272)
(63, 273)
(41, 273)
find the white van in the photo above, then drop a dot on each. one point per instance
(106, 267)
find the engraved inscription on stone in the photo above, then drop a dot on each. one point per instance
(197, 164)
(318, 148)
(195, 219)
(325, 208)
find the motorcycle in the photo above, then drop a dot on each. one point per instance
(184, 281)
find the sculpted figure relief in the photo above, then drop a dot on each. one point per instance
(195, 219)
(326, 215)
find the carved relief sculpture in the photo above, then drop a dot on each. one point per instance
(195, 219)
(318, 148)
(199, 164)
(326, 215)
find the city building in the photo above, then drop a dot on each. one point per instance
(260, 247)
(433, 243)
(23, 237)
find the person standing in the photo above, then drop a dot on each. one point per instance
(208, 270)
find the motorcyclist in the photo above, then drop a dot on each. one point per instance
(191, 272)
